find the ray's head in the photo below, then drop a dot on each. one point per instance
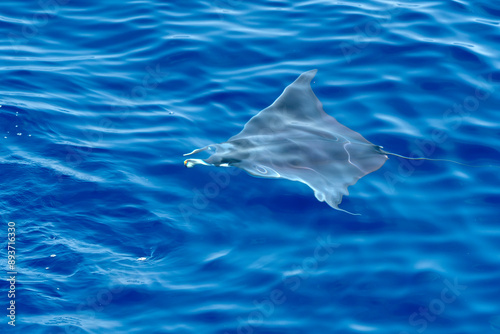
(223, 155)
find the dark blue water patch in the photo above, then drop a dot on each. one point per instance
(462, 54)
(415, 17)
(436, 85)
(490, 9)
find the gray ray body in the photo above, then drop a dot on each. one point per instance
(295, 139)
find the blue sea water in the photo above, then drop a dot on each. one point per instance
(113, 234)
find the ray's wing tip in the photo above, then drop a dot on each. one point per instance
(306, 77)
(311, 73)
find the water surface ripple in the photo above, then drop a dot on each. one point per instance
(100, 99)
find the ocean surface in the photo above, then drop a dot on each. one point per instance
(101, 99)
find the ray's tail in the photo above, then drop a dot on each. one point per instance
(429, 159)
